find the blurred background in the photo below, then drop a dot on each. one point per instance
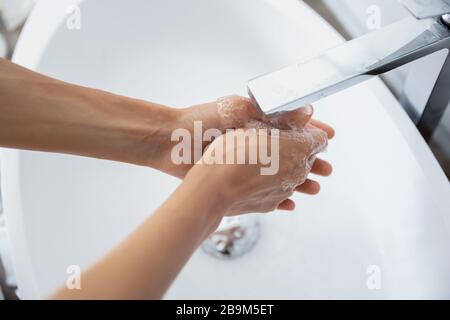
(13, 14)
(351, 18)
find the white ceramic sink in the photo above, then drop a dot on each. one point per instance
(387, 204)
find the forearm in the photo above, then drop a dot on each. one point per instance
(44, 114)
(146, 263)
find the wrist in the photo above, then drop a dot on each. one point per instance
(148, 128)
(206, 182)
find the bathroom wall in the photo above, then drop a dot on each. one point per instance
(353, 18)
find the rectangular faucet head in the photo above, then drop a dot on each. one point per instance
(341, 67)
(303, 83)
(288, 88)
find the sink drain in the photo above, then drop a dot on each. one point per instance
(234, 237)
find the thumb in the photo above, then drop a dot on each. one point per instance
(291, 120)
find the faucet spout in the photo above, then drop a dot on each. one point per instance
(351, 63)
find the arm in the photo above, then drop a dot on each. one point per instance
(44, 114)
(145, 264)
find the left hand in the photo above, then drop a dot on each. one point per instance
(235, 112)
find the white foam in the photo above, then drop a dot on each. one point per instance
(234, 111)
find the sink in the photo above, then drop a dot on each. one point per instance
(379, 229)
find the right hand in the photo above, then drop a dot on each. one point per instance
(229, 113)
(244, 188)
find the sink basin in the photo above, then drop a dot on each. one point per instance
(379, 228)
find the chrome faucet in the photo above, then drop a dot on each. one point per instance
(424, 33)
(342, 67)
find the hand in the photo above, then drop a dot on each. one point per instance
(244, 187)
(236, 112)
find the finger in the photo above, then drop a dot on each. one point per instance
(325, 127)
(296, 119)
(287, 205)
(310, 187)
(318, 140)
(322, 168)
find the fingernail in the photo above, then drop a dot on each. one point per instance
(308, 110)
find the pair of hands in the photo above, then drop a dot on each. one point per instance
(243, 187)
